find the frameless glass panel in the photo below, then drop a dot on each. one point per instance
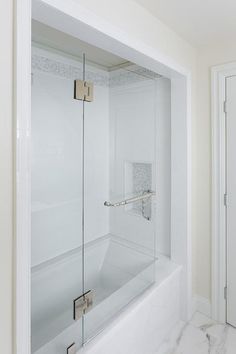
(57, 203)
(120, 168)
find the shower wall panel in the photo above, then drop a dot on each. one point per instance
(97, 164)
(133, 126)
(57, 141)
(56, 145)
(140, 140)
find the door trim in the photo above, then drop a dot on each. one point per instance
(218, 96)
(77, 20)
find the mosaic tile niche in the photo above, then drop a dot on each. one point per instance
(139, 180)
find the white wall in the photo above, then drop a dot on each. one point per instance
(138, 22)
(6, 186)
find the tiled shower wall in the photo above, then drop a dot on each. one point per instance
(140, 104)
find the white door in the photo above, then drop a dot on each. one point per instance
(231, 198)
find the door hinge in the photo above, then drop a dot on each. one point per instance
(82, 305)
(83, 90)
(225, 199)
(71, 349)
(225, 106)
(225, 292)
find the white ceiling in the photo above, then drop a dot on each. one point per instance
(200, 22)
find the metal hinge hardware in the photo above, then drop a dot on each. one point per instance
(225, 199)
(225, 292)
(82, 305)
(71, 349)
(83, 90)
(225, 106)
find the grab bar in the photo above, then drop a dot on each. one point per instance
(143, 196)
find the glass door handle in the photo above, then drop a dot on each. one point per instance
(144, 195)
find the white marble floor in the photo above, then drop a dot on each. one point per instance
(201, 335)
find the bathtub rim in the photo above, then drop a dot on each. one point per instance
(133, 304)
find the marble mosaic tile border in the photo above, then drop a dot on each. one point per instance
(51, 63)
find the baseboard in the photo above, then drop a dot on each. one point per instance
(201, 304)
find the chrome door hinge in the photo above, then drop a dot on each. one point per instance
(225, 106)
(82, 305)
(225, 292)
(71, 349)
(225, 199)
(83, 90)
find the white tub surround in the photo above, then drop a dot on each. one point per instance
(141, 326)
(55, 283)
(144, 324)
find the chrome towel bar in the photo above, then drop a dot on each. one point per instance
(144, 195)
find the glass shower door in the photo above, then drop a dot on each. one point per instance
(119, 206)
(93, 196)
(57, 203)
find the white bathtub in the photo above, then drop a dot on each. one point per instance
(144, 324)
(137, 328)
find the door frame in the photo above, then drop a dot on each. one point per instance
(218, 96)
(76, 20)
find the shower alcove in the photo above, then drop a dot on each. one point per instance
(109, 193)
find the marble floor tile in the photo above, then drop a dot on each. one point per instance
(201, 335)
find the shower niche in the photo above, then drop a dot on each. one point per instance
(138, 182)
(97, 174)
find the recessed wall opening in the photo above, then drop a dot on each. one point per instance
(98, 246)
(86, 154)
